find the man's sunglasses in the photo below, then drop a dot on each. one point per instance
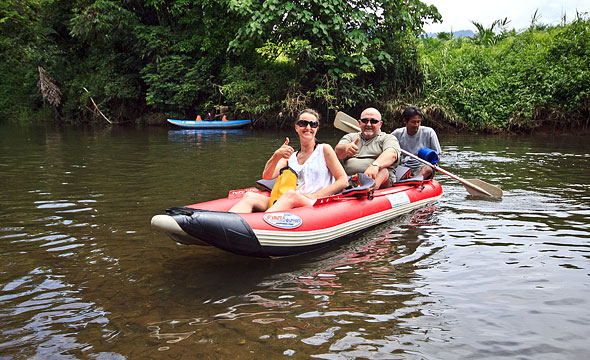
(373, 121)
(304, 123)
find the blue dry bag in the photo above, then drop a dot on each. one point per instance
(429, 155)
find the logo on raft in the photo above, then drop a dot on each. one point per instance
(283, 220)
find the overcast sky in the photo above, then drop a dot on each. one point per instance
(457, 14)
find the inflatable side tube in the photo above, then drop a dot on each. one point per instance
(224, 230)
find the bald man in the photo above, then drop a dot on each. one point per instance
(370, 151)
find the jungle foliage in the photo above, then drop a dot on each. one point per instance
(183, 57)
(502, 79)
(267, 59)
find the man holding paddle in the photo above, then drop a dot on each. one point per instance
(475, 187)
(370, 151)
(413, 137)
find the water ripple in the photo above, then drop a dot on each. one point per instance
(84, 276)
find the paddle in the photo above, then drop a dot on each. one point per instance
(474, 187)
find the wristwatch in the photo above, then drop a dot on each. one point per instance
(375, 163)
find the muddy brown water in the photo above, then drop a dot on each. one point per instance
(83, 275)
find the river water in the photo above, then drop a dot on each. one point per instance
(83, 275)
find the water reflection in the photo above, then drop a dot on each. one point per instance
(365, 283)
(41, 307)
(198, 137)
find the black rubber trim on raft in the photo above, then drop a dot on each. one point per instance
(224, 230)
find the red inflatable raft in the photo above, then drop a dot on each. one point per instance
(295, 231)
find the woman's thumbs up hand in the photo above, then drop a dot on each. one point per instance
(285, 151)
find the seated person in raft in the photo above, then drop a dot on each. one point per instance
(370, 151)
(319, 171)
(413, 137)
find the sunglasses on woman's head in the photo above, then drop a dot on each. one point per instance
(304, 123)
(373, 121)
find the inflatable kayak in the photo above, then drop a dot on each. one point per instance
(294, 231)
(194, 124)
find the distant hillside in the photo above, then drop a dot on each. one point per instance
(456, 34)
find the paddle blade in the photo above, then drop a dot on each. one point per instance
(493, 190)
(346, 123)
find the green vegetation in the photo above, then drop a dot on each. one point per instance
(507, 80)
(267, 59)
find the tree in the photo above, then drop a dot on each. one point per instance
(492, 35)
(342, 51)
(20, 44)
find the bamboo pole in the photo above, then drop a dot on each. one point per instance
(96, 106)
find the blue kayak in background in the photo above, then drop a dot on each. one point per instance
(194, 124)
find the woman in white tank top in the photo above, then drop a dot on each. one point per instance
(313, 175)
(319, 171)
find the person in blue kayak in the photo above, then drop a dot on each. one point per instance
(412, 137)
(370, 151)
(319, 173)
(210, 115)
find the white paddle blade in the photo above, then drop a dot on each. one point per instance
(473, 191)
(346, 123)
(493, 190)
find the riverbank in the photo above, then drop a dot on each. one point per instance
(498, 81)
(434, 117)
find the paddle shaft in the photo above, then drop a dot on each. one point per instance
(437, 168)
